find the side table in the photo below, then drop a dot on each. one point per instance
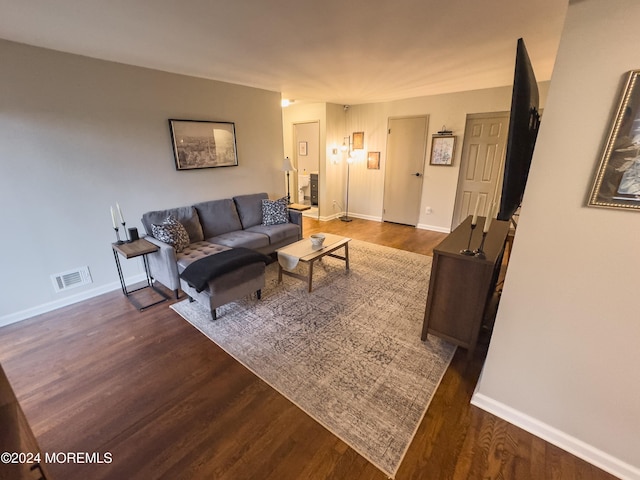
(135, 249)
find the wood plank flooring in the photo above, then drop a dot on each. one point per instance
(99, 376)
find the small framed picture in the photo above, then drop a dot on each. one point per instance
(373, 160)
(302, 149)
(442, 149)
(203, 144)
(358, 140)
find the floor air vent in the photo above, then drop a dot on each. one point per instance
(71, 279)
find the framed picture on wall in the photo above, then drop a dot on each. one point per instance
(617, 180)
(373, 160)
(358, 140)
(203, 144)
(302, 149)
(442, 149)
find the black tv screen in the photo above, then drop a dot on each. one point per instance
(523, 131)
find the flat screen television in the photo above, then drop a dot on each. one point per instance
(523, 131)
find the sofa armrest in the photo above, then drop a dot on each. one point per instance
(163, 264)
(295, 216)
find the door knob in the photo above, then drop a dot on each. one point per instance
(417, 174)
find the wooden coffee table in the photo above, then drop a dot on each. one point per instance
(304, 251)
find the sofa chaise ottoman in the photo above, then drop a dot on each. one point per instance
(215, 226)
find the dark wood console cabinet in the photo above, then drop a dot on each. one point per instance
(461, 285)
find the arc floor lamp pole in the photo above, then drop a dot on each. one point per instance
(345, 217)
(346, 148)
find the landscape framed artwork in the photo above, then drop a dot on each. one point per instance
(442, 149)
(616, 182)
(203, 144)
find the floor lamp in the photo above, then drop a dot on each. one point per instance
(287, 166)
(345, 217)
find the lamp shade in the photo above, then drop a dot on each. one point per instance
(287, 166)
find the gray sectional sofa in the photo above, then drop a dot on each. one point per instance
(215, 226)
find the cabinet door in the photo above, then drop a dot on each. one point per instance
(458, 299)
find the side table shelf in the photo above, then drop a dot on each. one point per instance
(135, 249)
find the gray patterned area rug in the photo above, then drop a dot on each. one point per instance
(349, 353)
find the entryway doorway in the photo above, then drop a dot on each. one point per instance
(483, 154)
(404, 169)
(306, 139)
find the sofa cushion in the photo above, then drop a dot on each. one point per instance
(172, 232)
(275, 212)
(250, 208)
(187, 216)
(278, 233)
(241, 238)
(218, 217)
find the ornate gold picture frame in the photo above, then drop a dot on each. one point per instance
(617, 179)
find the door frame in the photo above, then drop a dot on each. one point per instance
(294, 139)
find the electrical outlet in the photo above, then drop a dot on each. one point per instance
(428, 210)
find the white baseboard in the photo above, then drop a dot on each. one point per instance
(558, 438)
(375, 218)
(353, 215)
(63, 302)
(366, 217)
(326, 218)
(433, 228)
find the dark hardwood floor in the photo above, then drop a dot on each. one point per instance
(165, 402)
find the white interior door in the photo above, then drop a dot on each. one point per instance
(404, 168)
(483, 151)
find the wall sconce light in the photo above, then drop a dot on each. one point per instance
(346, 143)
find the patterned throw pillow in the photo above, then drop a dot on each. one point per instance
(274, 212)
(172, 232)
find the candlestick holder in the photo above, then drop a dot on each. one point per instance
(479, 252)
(467, 250)
(127, 239)
(118, 241)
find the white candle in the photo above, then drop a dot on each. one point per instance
(113, 218)
(474, 220)
(120, 212)
(487, 222)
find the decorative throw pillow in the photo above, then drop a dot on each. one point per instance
(274, 212)
(171, 231)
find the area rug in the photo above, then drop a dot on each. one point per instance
(349, 353)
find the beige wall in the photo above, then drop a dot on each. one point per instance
(78, 135)
(366, 186)
(563, 361)
(440, 183)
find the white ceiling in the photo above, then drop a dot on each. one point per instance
(338, 51)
